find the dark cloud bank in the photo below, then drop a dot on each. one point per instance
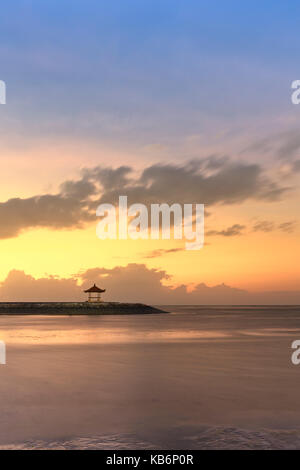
(132, 283)
(208, 181)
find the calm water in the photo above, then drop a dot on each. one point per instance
(200, 377)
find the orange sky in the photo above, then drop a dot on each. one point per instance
(253, 260)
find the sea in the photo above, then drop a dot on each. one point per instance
(199, 377)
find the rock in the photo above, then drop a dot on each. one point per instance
(75, 308)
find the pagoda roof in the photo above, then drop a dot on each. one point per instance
(94, 288)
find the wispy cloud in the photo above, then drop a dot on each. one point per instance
(269, 226)
(162, 252)
(232, 231)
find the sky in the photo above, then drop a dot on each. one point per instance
(166, 101)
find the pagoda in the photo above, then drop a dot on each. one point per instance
(94, 293)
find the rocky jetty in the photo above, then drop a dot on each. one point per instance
(75, 308)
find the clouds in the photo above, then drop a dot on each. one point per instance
(285, 146)
(138, 283)
(287, 227)
(269, 226)
(264, 226)
(232, 231)
(260, 226)
(132, 283)
(60, 211)
(210, 181)
(296, 166)
(19, 286)
(161, 252)
(70, 208)
(197, 181)
(289, 144)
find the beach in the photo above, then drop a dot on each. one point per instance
(200, 377)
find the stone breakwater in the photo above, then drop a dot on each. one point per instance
(75, 308)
